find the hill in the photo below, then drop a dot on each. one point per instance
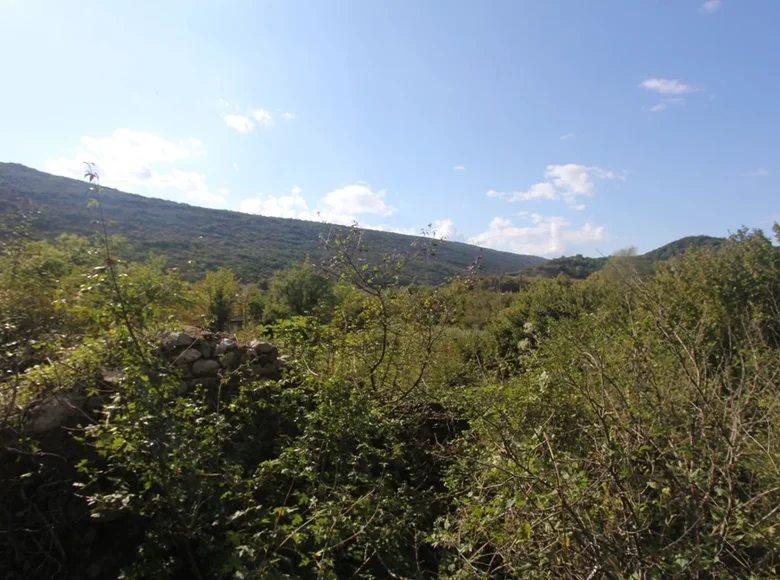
(580, 267)
(677, 247)
(253, 246)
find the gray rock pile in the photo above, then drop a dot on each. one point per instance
(204, 357)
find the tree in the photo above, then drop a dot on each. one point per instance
(216, 295)
(298, 291)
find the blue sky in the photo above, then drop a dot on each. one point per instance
(542, 126)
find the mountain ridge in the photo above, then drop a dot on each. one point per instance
(253, 246)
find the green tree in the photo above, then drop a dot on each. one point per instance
(216, 295)
(298, 291)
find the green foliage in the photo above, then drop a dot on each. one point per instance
(216, 296)
(299, 291)
(637, 442)
(619, 426)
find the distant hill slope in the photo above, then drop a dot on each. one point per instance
(253, 246)
(581, 267)
(679, 246)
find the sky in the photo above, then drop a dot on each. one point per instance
(544, 127)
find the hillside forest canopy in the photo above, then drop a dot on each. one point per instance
(605, 418)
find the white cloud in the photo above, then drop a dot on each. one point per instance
(357, 199)
(565, 182)
(545, 236)
(568, 136)
(235, 166)
(711, 6)
(573, 180)
(239, 123)
(759, 172)
(285, 206)
(262, 116)
(667, 86)
(193, 185)
(132, 160)
(340, 206)
(288, 116)
(663, 104)
(538, 191)
(459, 168)
(444, 229)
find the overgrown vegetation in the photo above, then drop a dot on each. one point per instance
(619, 426)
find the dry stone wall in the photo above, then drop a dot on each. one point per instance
(205, 358)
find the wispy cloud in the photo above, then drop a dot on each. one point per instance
(459, 168)
(141, 162)
(284, 206)
(564, 182)
(545, 235)
(664, 104)
(288, 116)
(667, 86)
(568, 136)
(357, 198)
(340, 206)
(239, 123)
(761, 172)
(711, 6)
(262, 116)
(235, 166)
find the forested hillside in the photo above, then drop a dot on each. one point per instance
(253, 246)
(621, 426)
(580, 267)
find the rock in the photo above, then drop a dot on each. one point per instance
(205, 382)
(265, 349)
(188, 356)
(230, 360)
(267, 371)
(55, 411)
(175, 339)
(225, 345)
(204, 348)
(203, 367)
(182, 388)
(111, 375)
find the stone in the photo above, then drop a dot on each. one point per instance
(175, 339)
(203, 367)
(55, 411)
(267, 371)
(230, 359)
(111, 375)
(265, 349)
(204, 348)
(188, 356)
(225, 345)
(182, 388)
(205, 382)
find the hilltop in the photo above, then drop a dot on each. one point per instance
(580, 267)
(251, 245)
